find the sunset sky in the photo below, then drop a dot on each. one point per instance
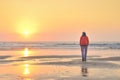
(59, 20)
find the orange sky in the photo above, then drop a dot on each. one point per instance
(59, 20)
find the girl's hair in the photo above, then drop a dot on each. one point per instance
(83, 34)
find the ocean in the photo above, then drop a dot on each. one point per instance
(57, 45)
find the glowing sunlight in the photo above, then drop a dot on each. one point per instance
(26, 33)
(26, 69)
(26, 27)
(26, 52)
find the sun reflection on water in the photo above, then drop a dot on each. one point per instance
(26, 69)
(27, 72)
(26, 52)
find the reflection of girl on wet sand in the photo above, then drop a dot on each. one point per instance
(84, 70)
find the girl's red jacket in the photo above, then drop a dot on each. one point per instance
(84, 41)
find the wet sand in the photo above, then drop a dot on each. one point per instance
(59, 67)
(65, 67)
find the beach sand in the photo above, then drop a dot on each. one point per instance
(60, 67)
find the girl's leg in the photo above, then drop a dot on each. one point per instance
(82, 52)
(86, 47)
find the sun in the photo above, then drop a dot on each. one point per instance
(26, 27)
(26, 33)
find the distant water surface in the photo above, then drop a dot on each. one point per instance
(57, 45)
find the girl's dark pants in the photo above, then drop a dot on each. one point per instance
(84, 52)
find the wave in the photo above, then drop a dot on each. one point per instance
(55, 45)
